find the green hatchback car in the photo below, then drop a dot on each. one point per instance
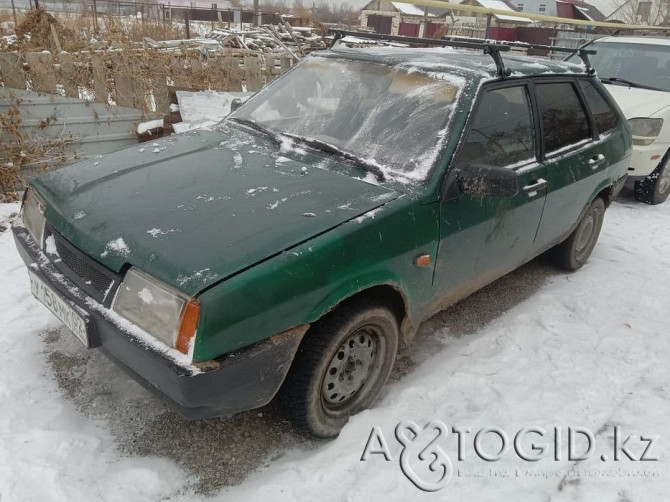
(290, 250)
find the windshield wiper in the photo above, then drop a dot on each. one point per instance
(322, 146)
(628, 83)
(255, 126)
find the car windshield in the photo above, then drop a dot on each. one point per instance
(642, 65)
(391, 119)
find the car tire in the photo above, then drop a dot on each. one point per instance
(656, 187)
(340, 367)
(572, 253)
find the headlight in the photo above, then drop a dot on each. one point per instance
(158, 309)
(645, 131)
(33, 215)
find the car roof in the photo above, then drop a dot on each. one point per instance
(471, 64)
(636, 40)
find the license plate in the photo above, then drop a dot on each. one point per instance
(59, 307)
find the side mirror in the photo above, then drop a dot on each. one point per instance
(235, 104)
(483, 180)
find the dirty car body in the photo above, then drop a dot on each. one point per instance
(201, 265)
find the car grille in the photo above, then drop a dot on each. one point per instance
(84, 271)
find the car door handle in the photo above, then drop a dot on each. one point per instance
(597, 161)
(533, 189)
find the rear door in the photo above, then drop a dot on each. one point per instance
(572, 151)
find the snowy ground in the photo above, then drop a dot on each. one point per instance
(537, 348)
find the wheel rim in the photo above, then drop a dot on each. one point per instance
(353, 369)
(587, 234)
(664, 179)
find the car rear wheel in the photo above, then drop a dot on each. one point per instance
(573, 253)
(342, 364)
(656, 187)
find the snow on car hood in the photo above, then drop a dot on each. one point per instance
(195, 209)
(635, 102)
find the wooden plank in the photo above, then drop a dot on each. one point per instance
(141, 95)
(67, 75)
(269, 66)
(285, 63)
(159, 89)
(99, 79)
(55, 37)
(253, 73)
(176, 70)
(42, 73)
(11, 70)
(196, 68)
(233, 72)
(123, 83)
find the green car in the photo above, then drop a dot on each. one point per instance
(291, 250)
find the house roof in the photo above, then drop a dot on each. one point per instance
(500, 5)
(583, 10)
(409, 9)
(417, 10)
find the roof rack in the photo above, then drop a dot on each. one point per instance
(491, 47)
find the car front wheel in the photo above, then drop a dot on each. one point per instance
(656, 187)
(573, 253)
(342, 364)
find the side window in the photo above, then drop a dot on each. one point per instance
(501, 132)
(564, 121)
(605, 116)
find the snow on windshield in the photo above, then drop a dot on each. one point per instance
(389, 117)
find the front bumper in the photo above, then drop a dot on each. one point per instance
(239, 381)
(645, 160)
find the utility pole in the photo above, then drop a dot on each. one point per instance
(423, 29)
(14, 12)
(257, 20)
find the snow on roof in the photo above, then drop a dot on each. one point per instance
(585, 12)
(410, 10)
(500, 5)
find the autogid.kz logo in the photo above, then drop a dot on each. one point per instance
(424, 461)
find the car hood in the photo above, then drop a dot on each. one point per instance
(635, 102)
(193, 210)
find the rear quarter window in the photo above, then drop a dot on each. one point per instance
(564, 120)
(605, 116)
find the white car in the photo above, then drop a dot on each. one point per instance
(637, 73)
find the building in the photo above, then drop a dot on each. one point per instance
(398, 18)
(497, 19)
(570, 9)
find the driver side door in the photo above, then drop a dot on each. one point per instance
(500, 231)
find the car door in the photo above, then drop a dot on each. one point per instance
(481, 238)
(572, 153)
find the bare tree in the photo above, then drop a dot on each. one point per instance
(651, 12)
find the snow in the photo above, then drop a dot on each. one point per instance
(204, 109)
(410, 9)
(50, 244)
(368, 215)
(146, 296)
(144, 127)
(587, 349)
(500, 5)
(117, 246)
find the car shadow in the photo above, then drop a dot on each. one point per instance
(224, 451)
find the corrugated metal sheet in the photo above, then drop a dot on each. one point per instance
(93, 128)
